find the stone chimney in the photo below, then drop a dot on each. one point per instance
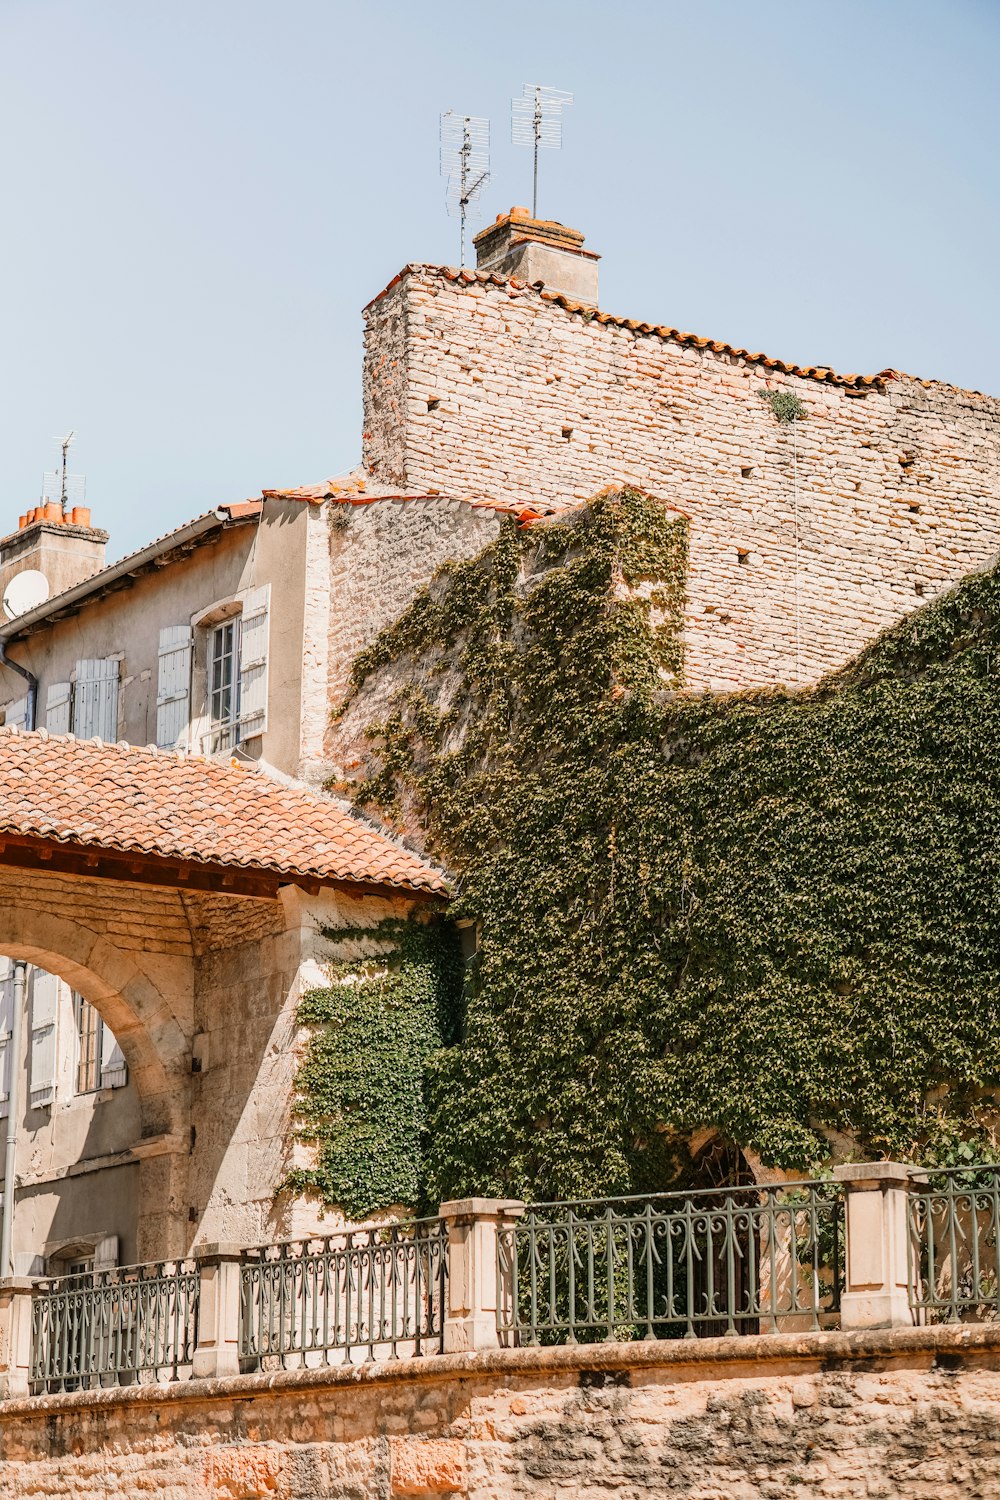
(539, 250)
(65, 547)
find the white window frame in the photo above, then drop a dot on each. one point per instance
(246, 617)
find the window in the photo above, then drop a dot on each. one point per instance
(95, 699)
(87, 707)
(224, 686)
(100, 1063)
(16, 713)
(88, 1032)
(236, 670)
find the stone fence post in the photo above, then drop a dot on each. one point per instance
(471, 1307)
(15, 1335)
(876, 1286)
(218, 1349)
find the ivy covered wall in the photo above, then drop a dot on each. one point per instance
(772, 914)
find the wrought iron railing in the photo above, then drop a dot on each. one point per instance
(738, 1260)
(954, 1272)
(116, 1327)
(378, 1293)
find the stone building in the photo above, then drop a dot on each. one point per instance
(157, 1115)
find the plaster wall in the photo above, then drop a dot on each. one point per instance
(806, 539)
(127, 623)
(825, 1417)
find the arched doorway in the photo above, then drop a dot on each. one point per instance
(133, 1015)
(726, 1270)
(72, 1111)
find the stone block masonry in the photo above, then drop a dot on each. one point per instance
(897, 1414)
(807, 538)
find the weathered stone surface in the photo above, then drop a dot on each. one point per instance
(806, 539)
(900, 1415)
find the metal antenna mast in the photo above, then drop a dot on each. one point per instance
(64, 445)
(70, 489)
(465, 161)
(536, 121)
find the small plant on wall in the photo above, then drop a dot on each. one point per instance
(785, 405)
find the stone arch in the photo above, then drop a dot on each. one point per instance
(140, 1015)
(145, 998)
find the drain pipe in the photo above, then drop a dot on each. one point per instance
(30, 679)
(13, 1115)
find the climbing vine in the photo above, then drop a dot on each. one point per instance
(360, 1090)
(772, 914)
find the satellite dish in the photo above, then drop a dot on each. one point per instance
(25, 591)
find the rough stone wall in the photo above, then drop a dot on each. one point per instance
(385, 393)
(822, 1419)
(806, 539)
(249, 1045)
(380, 556)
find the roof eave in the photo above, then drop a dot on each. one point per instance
(157, 554)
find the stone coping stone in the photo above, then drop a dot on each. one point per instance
(950, 1346)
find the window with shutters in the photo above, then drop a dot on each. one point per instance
(224, 685)
(100, 1063)
(88, 1037)
(16, 714)
(237, 673)
(59, 708)
(95, 699)
(173, 686)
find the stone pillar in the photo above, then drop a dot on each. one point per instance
(15, 1335)
(471, 1311)
(218, 1349)
(876, 1289)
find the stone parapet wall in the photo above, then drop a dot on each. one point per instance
(899, 1414)
(806, 539)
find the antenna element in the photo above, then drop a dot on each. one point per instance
(536, 120)
(465, 161)
(57, 484)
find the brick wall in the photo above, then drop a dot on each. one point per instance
(481, 389)
(901, 1415)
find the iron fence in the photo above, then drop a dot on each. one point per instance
(117, 1327)
(740, 1260)
(954, 1223)
(377, 1291)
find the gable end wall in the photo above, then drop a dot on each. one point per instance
(486, 390)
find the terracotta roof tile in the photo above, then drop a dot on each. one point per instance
(515, 288)
(358, 488)
(182, 807)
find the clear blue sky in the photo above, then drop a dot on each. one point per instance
(200, 195)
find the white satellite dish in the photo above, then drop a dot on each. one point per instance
(25, 591)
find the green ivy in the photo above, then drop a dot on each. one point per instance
(360, 1090)
(770, 914)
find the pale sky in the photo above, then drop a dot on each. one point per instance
(200, 196)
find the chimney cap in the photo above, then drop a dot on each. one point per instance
(517, 226)
(539, 250)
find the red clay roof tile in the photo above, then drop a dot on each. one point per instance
(174, 806)
(516, 288)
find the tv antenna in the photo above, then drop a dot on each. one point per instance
(465, 161)
(536, 121)
(57, 484)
